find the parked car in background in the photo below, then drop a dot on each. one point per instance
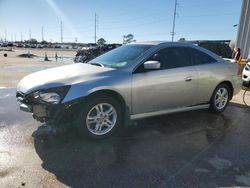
(27, 45)
(4, 44)
(130, 82)
(219, 47)
(86, 54)
(33, 46)
(39, 46)
(10, 44)
(19, 45)
(246, 75)
(57, 46)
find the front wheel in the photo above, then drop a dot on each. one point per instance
(220, 98)
(100, 117)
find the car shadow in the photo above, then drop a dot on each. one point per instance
(143, 154)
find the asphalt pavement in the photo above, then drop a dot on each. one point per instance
(190, 149)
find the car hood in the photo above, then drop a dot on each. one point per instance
(60, 76)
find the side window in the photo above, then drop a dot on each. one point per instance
(201, 58)
(172, 57)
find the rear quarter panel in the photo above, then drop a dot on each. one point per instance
(211, 75)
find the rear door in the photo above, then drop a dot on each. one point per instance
(174, 85)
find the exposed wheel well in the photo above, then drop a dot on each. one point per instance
(109, 93)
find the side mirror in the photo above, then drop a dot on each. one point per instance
(152, 65)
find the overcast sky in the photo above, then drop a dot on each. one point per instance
(146, 19)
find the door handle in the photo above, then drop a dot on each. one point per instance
(188, 79)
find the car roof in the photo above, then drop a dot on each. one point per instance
(165, 43)
(160, 44)
(150, 42)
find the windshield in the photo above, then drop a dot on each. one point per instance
(122, 56)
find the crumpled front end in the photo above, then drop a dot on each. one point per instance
(40, 111)
(46, 105)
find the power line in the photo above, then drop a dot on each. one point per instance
(173, 31)
(129, 20)
(150, 34)
(124, 12)
(137, 25)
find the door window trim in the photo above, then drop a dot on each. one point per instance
(193, 59)
(145, 59)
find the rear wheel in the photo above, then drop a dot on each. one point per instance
(220, 98)
(101, 117)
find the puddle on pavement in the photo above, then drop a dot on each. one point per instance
(64, 59)
(220, 163)
(245, 179)
(157, 144)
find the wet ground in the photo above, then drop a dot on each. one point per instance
(63, 59)
(191, 149)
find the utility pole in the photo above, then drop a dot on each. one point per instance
(61, 32)
(173, 31)
(95, 27)
(15, 36)
(21, 36)
(42, 34)
(30, 33)
(5, 35)
(123, 39)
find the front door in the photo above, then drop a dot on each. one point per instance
(174, 85)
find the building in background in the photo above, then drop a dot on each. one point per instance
(243, 36)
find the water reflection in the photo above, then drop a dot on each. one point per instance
(62, 59)
(142, 151)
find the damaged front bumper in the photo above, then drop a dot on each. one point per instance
(40, 111)
(25, 107)
(44, 112)
(22, 103)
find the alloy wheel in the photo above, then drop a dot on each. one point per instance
(221, 98)
(101, 119)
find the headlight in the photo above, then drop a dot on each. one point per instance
(52, 95)
(52, 98)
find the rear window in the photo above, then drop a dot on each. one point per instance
(201, 58)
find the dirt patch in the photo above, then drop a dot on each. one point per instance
(6, 49)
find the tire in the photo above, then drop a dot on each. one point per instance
(97, 120)
(220, 98)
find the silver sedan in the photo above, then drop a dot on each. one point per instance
(131, 82)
